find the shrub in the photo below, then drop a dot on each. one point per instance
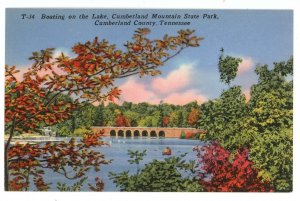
(64, 131)
(222, 171)
(182, 135)
(169, 175)
(189, 135)
(81, 131)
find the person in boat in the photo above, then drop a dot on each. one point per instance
(167, 151)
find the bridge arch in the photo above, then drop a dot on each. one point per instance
(113, 133)
(136, 133)
(153, 134)
(128, 133)
(161, 134)
(144, 133)
(120, 133)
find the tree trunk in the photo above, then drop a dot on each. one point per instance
(6, 172)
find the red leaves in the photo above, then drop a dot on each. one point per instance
(40, 184)
(122, 121)
(91, 139)
(166, 121)
(220, 171)
(136, 48)
(30, 160)
(17, 184)
(189, 135)
(88, 76)
(99, 185)
(77, 64)
(114, 93)
(193, 117)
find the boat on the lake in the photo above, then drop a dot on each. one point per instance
(167, 151)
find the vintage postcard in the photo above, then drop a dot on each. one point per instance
(148, 100)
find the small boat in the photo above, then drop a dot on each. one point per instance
(167, 151)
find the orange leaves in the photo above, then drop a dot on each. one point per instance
(18, 183)
(136, 48)
(99, 186)
(122, 121)
(9, 71)
(143, 31)
(89, 75)
(77, 64)
(193, 117)
(30, 160)
(114, 93)
(40, 184)
(91, 139)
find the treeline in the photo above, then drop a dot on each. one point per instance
(130, 115)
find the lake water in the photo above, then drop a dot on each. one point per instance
(118, 152)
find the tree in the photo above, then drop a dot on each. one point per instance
(272, 154)
(221, 171)
(272, 97)
(132, 117)
(270, 122)
(29, 161)
(122, 121)
(176, 118)
(99, 119)
(193, 117)
(146, 121)
(263, 125)
(228, 67)
(109, 114)
(81, 120)
(85, 117)
(156, 118)
(166, 120)
(224, 119)
(89, 76)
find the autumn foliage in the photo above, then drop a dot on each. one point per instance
(222, 171)
(36, 100)
(122, 121)
(193, 117)
(189, 135)
(90, 76)
(166, 121)
(30, 161)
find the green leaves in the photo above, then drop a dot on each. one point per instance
(228, 67)
(75, 187)
(272, 154)
(136, 156)
(264, 124)
(172, 174)
(223, 118)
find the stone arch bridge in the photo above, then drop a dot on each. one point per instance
(145, 131)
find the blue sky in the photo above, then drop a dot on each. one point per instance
(258, 36)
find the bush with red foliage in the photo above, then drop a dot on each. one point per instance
(189, 135)
(221, 171)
